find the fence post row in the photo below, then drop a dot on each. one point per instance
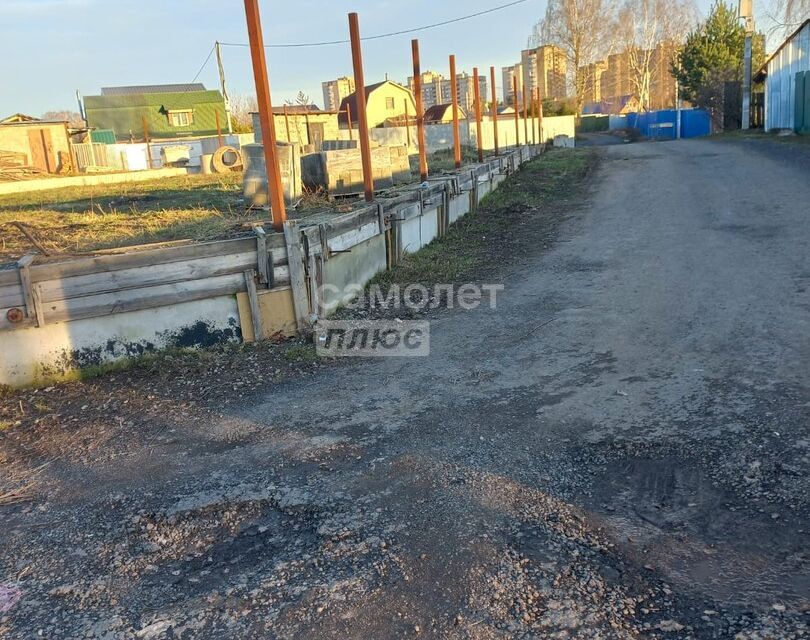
(360, 95)
(257, 55)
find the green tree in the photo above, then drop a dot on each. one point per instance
(709, 67)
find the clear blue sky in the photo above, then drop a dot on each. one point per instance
(50, 48)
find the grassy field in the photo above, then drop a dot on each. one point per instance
(79, 219)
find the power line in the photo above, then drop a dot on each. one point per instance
(210, 53)
(382, 35)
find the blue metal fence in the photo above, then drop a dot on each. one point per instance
(662, 124)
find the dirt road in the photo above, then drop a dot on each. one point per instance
(619, 450)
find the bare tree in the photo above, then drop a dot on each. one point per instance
(301, 102)
(242, 106)
(786, 15)
(581, 28)
(73, 118)
(648, 32)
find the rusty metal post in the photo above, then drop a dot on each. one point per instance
(494, 109)
(478, 128)
(407, 122)
(456, 131)
(219, 129)
(420, 111)
(362, 116)
(274, 187)
(525, 118)
(517, 114)
(287, 124)
(540, 117)
(145, 139)
(537, 115)
(349, 119)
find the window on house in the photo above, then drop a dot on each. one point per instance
(389, 104)
(181, 118)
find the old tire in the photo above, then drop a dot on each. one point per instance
(226, 159)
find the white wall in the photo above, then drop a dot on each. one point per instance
(38, 353)
(440, 136)
(780, 86)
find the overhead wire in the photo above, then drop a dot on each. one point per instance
(383, 35)
(210, 53)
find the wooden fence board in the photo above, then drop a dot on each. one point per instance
(145, 298)
(139, 277)
(108, 263)
(354, 237)
(12, 295)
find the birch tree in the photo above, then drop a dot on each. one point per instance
(647, 29)
(583, 30)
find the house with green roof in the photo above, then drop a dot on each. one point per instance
(169, 110)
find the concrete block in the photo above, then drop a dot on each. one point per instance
(254, 183)
(359, 266)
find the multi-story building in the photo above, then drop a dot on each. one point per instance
(433, 89)
(662, 82)
(436, 89)
(509, 76)
(617, 79)
(545, 68)
(334, 91)
(609, 80)
(591, 76)
(466, 90)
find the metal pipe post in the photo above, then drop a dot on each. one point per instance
(525, 118)
(456, 131)
(420, 111)
(274, 187)
(478, 128)
(494, 109)
(517, 110)
(362, 116)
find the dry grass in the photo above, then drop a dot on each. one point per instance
(18, 483)
(80, 219)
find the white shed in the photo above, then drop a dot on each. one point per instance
(779, 73)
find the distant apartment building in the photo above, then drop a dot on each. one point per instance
(509, 75)
(433, 89)
(334, 91)
(617, 78)
(545, 68)
(662, 83)
(436, 89)
(466, 90)
(608, 81)
(591, 75)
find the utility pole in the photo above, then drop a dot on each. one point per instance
(225, 95)
(746, 12)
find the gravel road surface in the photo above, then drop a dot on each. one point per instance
(619, 450)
